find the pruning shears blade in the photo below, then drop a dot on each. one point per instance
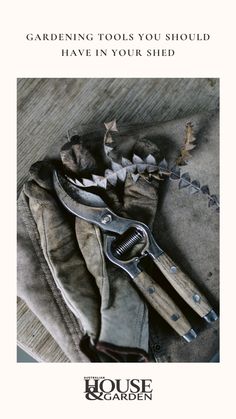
(78, 194)
(88, 206)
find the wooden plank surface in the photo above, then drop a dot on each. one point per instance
(34, 338)
(47, 108)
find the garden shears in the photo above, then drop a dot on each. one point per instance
(126, 242)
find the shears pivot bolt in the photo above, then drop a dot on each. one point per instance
(107, 218)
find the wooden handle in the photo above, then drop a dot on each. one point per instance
(162, 303)
(183, 285)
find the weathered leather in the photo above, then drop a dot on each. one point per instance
(101, 296)
(36, 286)
(60, 249)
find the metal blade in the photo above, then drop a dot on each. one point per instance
(78, 194)
(88, 206)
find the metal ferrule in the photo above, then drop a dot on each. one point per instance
(211, 316)
(191, 335)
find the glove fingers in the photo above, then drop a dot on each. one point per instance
(90, 243)
(140, 200)
(125, 321)
(85, 155)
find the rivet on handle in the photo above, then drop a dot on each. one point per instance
(175, 317)
(196, 298)
(151, 290)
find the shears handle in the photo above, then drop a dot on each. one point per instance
(164, 305)
(185, 287)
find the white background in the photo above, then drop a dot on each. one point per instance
(180, 390)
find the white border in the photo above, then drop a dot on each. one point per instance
(180, 390)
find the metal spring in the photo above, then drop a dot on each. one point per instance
(125, 243)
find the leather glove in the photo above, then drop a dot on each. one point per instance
(110, 309)
(60, 249)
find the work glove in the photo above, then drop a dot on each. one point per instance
(113, 315)
(60, 249)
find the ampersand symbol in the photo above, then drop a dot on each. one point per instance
(95, 395)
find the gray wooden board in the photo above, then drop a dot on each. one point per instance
(33, 338)
(48, 108)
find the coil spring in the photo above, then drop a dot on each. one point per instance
(124, 243)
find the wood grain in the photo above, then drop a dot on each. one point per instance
(183, 285)
(48, 108)
(162, 303)
(33, 338)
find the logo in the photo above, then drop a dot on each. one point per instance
(101, 388)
